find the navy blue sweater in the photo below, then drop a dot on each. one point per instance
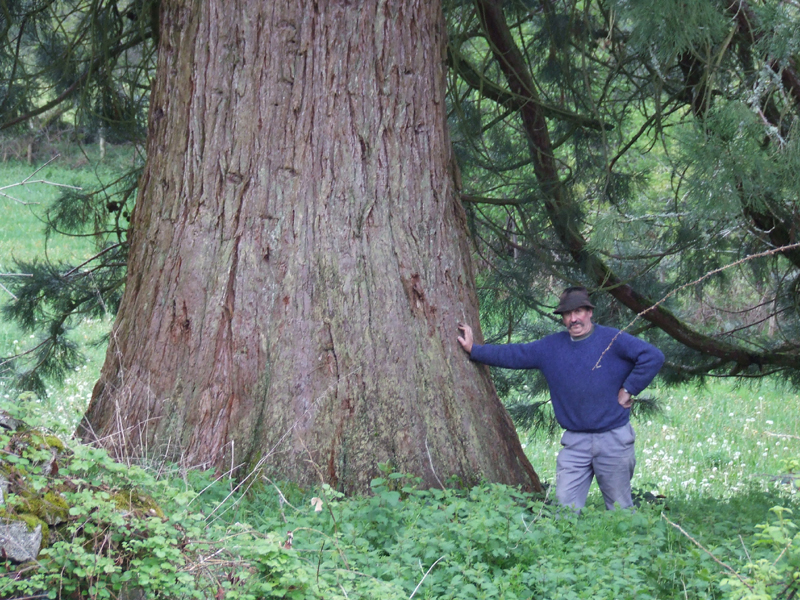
(584, 398)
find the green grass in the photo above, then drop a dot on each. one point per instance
(22, 238)
(714, 440)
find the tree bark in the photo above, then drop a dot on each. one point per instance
(299, 256)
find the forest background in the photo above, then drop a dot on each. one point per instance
(671, 178)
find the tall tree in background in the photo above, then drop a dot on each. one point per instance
(299, 256)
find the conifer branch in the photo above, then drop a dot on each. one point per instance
(489, 89)
(564, 213)
(66, 94)
(746, 21)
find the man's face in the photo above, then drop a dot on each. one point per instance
(578, 321)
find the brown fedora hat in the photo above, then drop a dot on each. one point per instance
(572, 298)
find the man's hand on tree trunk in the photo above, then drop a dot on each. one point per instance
(466, 338)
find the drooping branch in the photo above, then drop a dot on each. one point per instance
(746, 21)
(780, 230)
(489, 89)
(564, 213)
(76, 85)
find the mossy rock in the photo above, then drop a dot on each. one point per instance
(39, 482)
(49, 507)
(36, 446)
(32, 521)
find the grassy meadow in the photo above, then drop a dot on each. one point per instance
(714, 440)
(716, 459)
(28, 191)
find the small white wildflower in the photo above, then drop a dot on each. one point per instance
(770, 423)
(680, 451)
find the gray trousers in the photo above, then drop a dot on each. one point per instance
(609, 456)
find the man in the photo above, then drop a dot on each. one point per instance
(592, 372)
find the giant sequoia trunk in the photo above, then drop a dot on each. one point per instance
(299, 258)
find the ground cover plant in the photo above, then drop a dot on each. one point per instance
(202, 537)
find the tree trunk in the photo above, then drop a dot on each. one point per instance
(299, 258)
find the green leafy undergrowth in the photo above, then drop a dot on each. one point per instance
(493, 541)
(190, 535)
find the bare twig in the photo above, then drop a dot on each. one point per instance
(714, 558)
(431, 461)
(8, 291)
(424, 576)
(783, 435)
(28, 181)
(746, 553)
(538, 515)
(21, 354)
(86, 262)
(785, 548)
(280, 493)
(691, 283)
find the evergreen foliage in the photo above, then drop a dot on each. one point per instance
(644, 150)
(80, 71)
